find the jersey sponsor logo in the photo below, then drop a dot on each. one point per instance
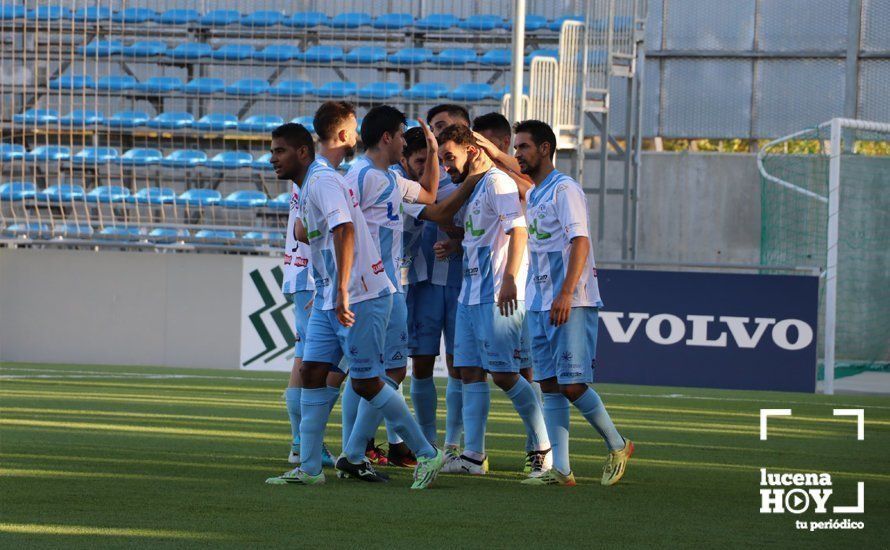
(472, 230)
(540, 235)
(567, 356)
(541, 278)
(471, 271)
(299, 261)
(393, 216)
(354, 200)
(311, 233)
(288, 259)
(377, 268)
(322, 281)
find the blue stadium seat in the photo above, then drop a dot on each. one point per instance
(260, 123)
(168, 235)
(307, 122)
(336, 89)
(426, 90)
(199, 197)
(37, 116)
(233, 52)
(393, 21)
(293, 88)
(216, 122)
(184, 158)
(94, 156)
(485, 22)
(278, 52)
(258, 237)
(190, 50)
(501, 92)
(35, 230)
(172, 120)
(230, 160)
(455, 56)
(499, 57)
(101, 48)
(215, 236)
(437, 22)
(220, 18)
(93, 14)
(134, 15)
(245, 198)
(556, 24)
(248, 86)
(116, 83)
(48, 13)
(411, 56)
(412, 123)
(73, 230)
(12, 11)
(262, 18)
(323, 54)
(108, 194)
(379, 90)
(17, 191)
(471, 91)
(541, 53)
(48, 153)
(307, 19)
(532, 23)
(57, 194)
(127, 119)
(145, 48)
(159, 85)
(72, 82)
(178, 17)
(141, 157)
(11, 151)
(350, 20)
(120, 233)
(81, 117)
(365, 54)
(204, 86)
(263, 162)
(281, 202)
(153, 195)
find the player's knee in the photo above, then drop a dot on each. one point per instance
(422, 366)
(366, 388)
(527, 374)
(397, 375)
(549, 385)
(505, 380)
(313, 374)
(470, 375)
(572, 391)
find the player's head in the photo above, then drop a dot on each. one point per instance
(336, 125)
(292, 150)
(535, 145)
(457, 147)
(445, 115)
(496, 128)
(413, 159)
(382, 129)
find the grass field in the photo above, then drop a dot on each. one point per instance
(112, 456)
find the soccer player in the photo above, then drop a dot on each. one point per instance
(490, 311)
(352, 302)
(562, 299)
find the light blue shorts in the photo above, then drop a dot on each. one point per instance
(565, 352)
(396, 353)
(485, 338)
(301, 319)
(362, 344)
(432, 310)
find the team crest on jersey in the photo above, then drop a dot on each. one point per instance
(377, 268)
(567, 356)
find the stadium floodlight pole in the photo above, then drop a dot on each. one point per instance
(518, 59)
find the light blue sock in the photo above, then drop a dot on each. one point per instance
(592, 408)
(366, 422)
(334, 394)
(292, 401)
(425, 401)
(395, 410)
(349, 405)
(526, 403)
(314, 411)
(477, 401)
(454, 415)
(392, 437)
(529, 442)
(556, 416)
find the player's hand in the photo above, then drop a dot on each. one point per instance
(490, 148)
(560, 309)
(344, 314)
(444, 249)
(507, 301)
(431, 143)
(479, 164)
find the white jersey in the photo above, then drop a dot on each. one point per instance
(491, 212)
(447, 271)
(297, 274)
(327, 202)
(557, 213)
(414, 267)
(380, 194)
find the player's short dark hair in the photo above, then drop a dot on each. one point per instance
(459, 134)
(296, 135)
(540, 132)
(330, 116)
(452, 109)
(380, 120)
(493, 122)
(415, 141)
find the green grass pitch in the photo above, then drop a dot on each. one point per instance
(114, 456)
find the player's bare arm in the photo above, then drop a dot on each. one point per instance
(562, 302)
(507, 298)
(344, 251)
(430, 179)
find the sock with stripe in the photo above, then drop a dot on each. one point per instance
(292, 401)
(454, 418)
(556, 416)
(314, 417)
(529, 408)
(476, 404)
(592, 408)
(424, 399)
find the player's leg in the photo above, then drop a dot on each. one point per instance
(454, 420)
(426, 310)
(526, 371)
(396, 363)
(302, 309)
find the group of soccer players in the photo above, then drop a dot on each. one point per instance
(437, 230)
